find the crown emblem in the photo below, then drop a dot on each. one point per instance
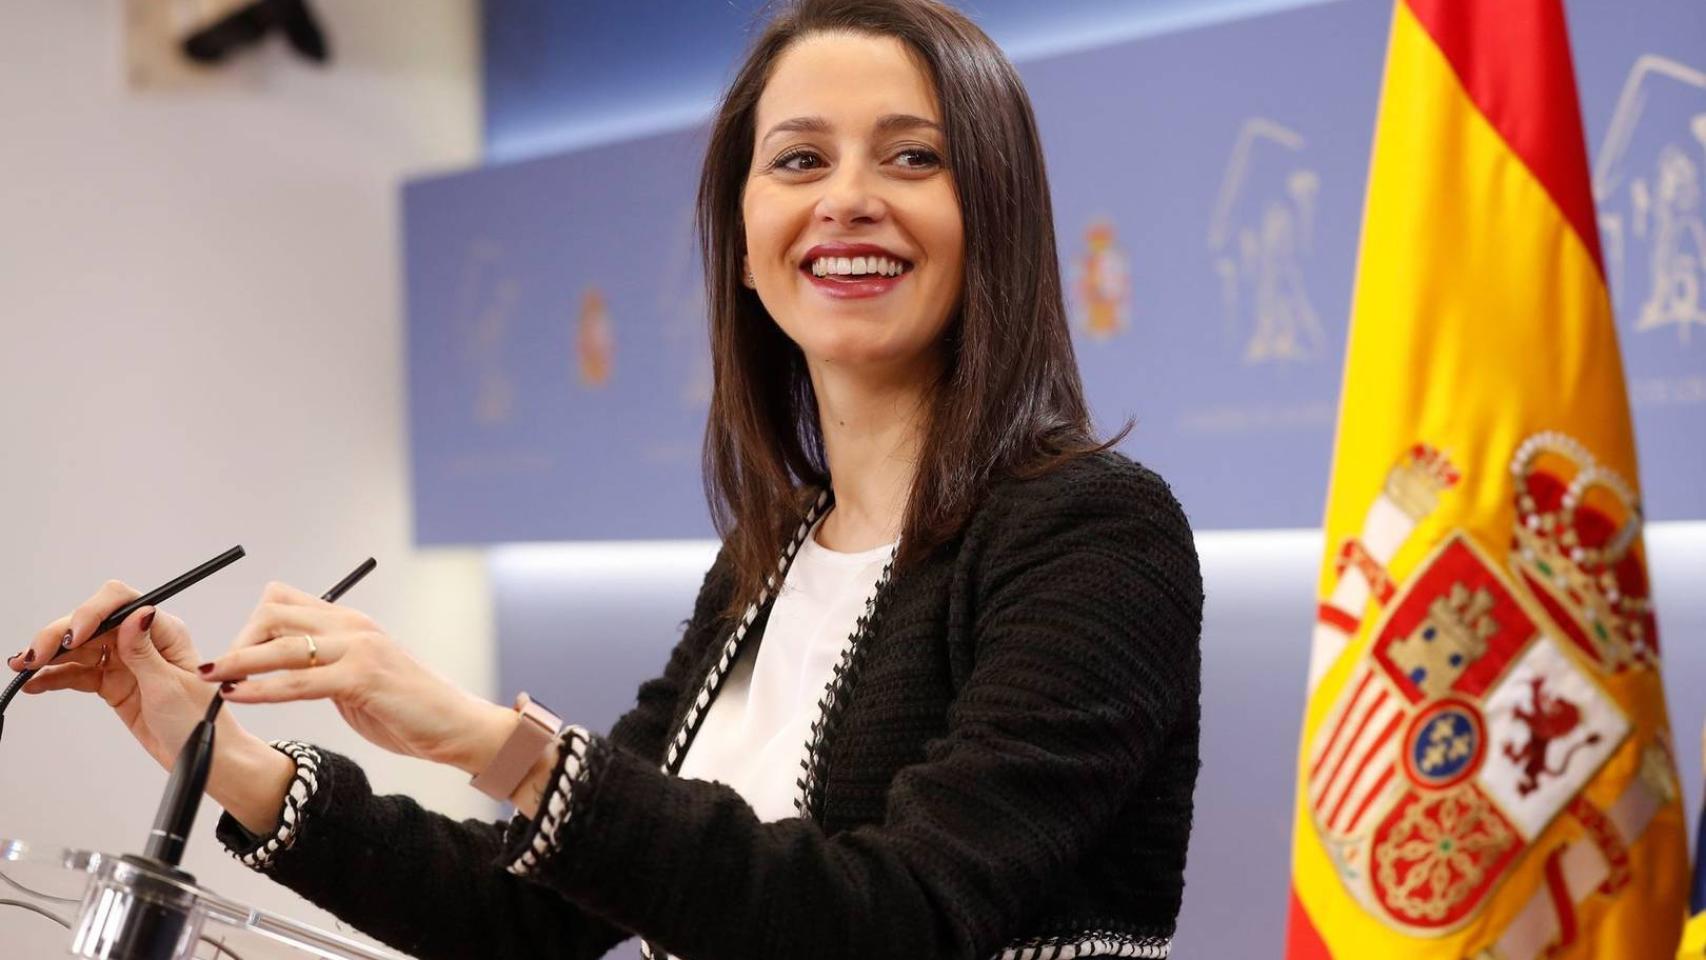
(1415, 483)
(1577, 545)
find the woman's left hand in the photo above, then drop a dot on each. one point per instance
(381, 691)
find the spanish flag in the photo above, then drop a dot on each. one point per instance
(1485, 770)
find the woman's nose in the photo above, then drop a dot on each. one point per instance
(849, 197)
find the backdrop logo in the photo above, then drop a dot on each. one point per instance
(1104, 282)
(595, 347)
(1261, 238)
(486, 297)
(1648, 182)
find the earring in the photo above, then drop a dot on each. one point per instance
(749, 278)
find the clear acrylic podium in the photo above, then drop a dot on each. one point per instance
(57, 903)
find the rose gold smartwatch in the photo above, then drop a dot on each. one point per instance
(535, 728)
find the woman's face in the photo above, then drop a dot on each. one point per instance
(853, 232)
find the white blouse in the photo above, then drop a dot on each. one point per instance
(754, 735)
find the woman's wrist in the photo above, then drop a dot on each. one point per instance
(249, 780)
(488, 728)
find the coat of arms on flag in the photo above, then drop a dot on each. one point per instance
(1476, 718)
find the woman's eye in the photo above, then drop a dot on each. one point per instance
(918, 158)
(798, 161)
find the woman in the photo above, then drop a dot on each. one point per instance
(971, 725)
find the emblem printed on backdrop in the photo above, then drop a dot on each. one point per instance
(1485, 767)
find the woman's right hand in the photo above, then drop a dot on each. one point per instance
(149, 678)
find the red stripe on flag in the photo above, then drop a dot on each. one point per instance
(1373, 753)
(1356, 735)
(1373, 795)
(1562, 905)
(1332, 616)
(1334, 739)
(1302, 942)
(1513, 58)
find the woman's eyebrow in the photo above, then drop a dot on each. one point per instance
(886, 124)
(896, 122)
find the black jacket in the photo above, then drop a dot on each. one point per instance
(1004, 764)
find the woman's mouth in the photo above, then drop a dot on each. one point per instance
(853, 277)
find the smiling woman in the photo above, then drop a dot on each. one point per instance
(939, 693)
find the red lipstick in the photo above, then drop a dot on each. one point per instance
(843, 286)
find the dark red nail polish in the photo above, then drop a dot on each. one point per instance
(29, 656)
(206, 668)
(148, 620)
(227, 687)
(65, 641)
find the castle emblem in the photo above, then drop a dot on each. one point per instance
(1452, 636)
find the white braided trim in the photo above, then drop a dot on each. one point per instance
(731, 648)
(573, 741)
(302, 787)
(1090, 943)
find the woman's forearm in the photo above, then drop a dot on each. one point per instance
(249, 779)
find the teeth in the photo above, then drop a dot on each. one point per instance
(856, 266)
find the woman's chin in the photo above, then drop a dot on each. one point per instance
(863, 358)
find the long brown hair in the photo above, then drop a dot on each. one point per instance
(1009, 401)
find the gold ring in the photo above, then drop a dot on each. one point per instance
(313, 651)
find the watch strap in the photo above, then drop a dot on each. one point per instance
(535, 728)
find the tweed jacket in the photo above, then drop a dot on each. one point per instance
(1003, 767)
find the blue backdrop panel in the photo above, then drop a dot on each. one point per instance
(558, 75)
(1223, 169)
(1642, 71)
(558, 369)
(1208, 189)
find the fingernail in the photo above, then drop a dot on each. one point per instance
(29, 656)
(206, 668)
(147, 620)
(65, 641)
(227, 686)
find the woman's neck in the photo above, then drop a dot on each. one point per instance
(872, 432)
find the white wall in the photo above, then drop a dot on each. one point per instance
(201, 315)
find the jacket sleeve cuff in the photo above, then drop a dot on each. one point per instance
(257, 851)
(529, 844)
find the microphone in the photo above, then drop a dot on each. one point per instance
(145, 907)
